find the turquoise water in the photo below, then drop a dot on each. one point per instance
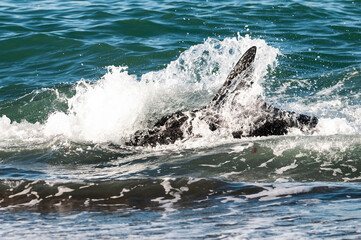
(79, 78)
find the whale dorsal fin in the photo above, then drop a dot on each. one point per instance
(239, 77)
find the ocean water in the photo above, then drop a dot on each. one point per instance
(79, 78)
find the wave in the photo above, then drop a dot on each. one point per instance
(114, 107)
(117, 105)
(163, 194)
(272, 159)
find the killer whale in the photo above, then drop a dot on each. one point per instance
(263, 119)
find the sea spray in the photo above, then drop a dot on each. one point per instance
(118, 104)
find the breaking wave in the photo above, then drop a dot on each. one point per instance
(117, 105)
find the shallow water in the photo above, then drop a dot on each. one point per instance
(79, 78)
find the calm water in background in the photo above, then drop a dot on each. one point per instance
(67, 104)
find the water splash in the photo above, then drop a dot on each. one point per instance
(117, 105)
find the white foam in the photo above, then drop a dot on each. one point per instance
(13, 132)
(101, 112)
(279, 191)
(331, 126)
(176, 193)
(62, 190)
(286, 168)
(24, 192)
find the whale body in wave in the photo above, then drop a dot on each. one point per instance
(257, 119)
